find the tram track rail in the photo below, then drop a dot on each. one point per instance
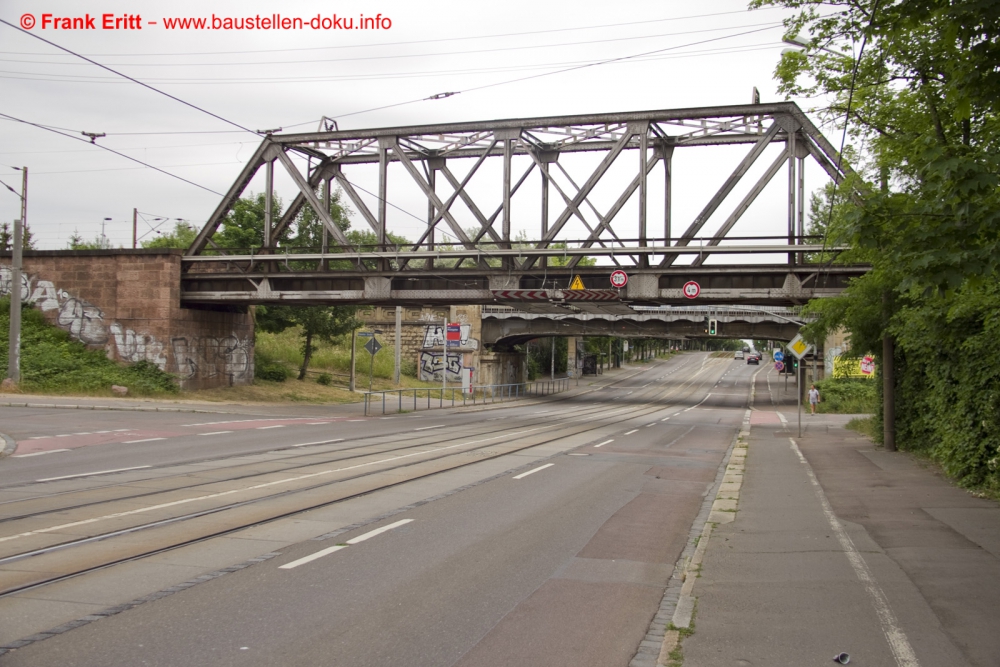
(651, 405)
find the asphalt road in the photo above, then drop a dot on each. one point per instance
(536, 533)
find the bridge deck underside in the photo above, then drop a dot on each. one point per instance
(761, 285)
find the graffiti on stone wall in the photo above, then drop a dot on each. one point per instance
(431, 365)
(83, 320)
(135, 347)
(209, 357)
(434, 337)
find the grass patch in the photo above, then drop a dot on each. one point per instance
(53, 363)
(864, 426)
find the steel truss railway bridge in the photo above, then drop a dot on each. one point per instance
(525, 166)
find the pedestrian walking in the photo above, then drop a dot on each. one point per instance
(813, 398)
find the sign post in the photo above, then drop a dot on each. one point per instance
(373, 346)
(799, 347)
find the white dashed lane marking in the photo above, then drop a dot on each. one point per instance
(89, 474)
(329, 550)
(533, 471)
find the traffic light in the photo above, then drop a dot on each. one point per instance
(708, 324)
(712, 327)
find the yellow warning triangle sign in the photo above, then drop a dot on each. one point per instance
(577, 283)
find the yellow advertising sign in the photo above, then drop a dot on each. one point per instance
(854, 367)
(577, 283)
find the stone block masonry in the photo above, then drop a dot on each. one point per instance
(127, 302)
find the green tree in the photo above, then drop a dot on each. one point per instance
(916, 83)
(317, 323)
(7, 237)
(76, 242)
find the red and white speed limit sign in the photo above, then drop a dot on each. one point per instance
(619, 279)
(691, 289)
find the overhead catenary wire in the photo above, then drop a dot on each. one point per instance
(111, 150)
(125, 76)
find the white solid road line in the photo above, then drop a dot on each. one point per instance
(310, 558)
(321, 442)
(215, 433)
(632, 431)
(88, 474)
(132, 442)
(378, 531)
(653, 424)
(315, 423)
(51, 451)
(604, 443)
(261, 428)
(531, 472)
(665, 419)
(898, 643)
(424, 428)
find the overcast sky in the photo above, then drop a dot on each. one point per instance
(290, 78)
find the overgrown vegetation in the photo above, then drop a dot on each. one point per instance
(916, 84)
(852, 396)
(51, 362)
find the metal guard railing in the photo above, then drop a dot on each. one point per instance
(480, 395)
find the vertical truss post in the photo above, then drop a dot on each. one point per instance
(325, 247)
(802, 196)
(642, 129)
(268, 202)
(545, 213)
(792, 185)
(507, 136)
(383, 171)
(433, 166)
(668, 154)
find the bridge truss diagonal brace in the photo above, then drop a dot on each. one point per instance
(576, 209)
(355, 198)
(431, 195)
(225, 206)
(605, 222)
(458, 193)
(589, 185)
(310, 196)
(735, 216)
(726, 188)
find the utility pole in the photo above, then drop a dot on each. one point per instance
(14, 345)
(444, 358)
(14, 340)
(135, 218)
(354, 352)
(399, 342)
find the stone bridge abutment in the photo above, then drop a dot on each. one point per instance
(127, 302)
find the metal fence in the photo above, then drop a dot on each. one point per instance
(411, 400)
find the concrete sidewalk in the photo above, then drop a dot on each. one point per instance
(841, 547)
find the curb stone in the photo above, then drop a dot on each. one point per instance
(9, 446)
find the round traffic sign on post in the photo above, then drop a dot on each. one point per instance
(691, 289)
(619, 279)
(779, 366)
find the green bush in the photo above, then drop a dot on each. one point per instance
(325, 379)
(52, 362)
(848, 395)
(272, 372)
